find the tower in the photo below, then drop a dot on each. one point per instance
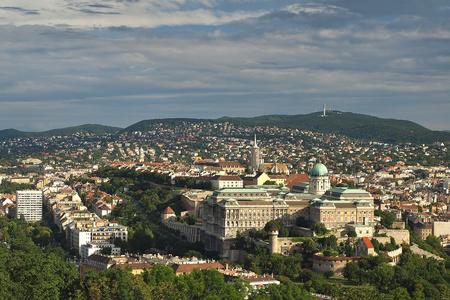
(254, 164)
(273, 239)
(319, 182)
(324, 110)
(141, 155)
(275, 167)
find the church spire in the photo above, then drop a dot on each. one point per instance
(255, 157)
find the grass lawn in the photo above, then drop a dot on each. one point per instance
(342, 280)
(303, 239)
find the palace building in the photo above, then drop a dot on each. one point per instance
(227, 211)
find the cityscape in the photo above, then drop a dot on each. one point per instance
(269, 210)
(216, 149)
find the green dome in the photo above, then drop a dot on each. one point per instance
(319, 169)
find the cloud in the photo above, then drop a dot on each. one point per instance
(20, 10)
(213, 58)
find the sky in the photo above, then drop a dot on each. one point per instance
(116, 62)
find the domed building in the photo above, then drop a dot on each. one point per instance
(319, 182)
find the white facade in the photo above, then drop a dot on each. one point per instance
(89, 249)
(80, 237)
(318, 185)
(29, 204)
(221, 184)
(98, 235)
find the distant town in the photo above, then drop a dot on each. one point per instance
(256, 203)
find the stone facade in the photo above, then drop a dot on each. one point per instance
(321, 264)
(335, 214)
(400, 236)
(191, 232)
(255, 157)
(441, 228)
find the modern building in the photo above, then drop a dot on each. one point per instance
(29, 204)
(89, 249)
(98, 235)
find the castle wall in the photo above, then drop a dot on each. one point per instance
(398, 225)
(192, 233)
(302, 231)
(321, 264)
(400, 235)
(441, 228)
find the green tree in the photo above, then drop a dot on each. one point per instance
(158, 275)
(400, 293)
(106, 251)
(301, 222)
(193, 253)
(352, 234)
(319, 228)
(329, 273)
(309, 247)
(351, 271)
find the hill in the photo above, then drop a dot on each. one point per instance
(146, 124)
(353, 125)
(358, 126)
(87, 128)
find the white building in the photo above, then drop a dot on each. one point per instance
(98, 235)
(89, 249)
(29, 204)
(229, 181)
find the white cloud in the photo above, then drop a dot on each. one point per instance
(215, 58)
(148, 14)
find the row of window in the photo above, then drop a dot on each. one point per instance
(331, 212)
(327, 219)
(244, 195)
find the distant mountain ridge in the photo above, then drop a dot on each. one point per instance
(358, 126)
(86, 128)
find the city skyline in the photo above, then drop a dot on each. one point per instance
(120, 62)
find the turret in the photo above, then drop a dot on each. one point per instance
(273, 239)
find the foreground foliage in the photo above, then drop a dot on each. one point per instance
(29, 272)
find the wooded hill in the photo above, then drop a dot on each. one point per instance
(353, 125)
(358, 126)
(87, 128)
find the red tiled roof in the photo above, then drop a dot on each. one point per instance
(368, 242)
(227, 178)
(168, 210)
(293, 179)
(278, 177)
(188, 268)
(134, 266)
(235, 164)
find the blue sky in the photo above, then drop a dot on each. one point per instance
(117, 62)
